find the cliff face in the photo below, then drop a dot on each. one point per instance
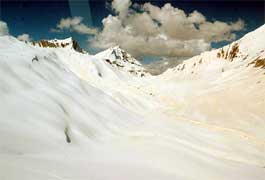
(66, 43)
(76, 46)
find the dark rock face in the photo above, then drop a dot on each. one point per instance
(77, 47)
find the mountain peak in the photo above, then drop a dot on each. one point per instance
(116, 47)
(119, 58)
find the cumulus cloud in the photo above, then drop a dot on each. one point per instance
(24, 37)
(4, 31)
(3, 28)
(121, 7)
(165, 31)
(74, 24)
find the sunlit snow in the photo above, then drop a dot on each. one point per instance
(72, 116)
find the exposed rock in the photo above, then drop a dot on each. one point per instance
(77, 47)
(259, 62)
(35, 59)
(234, 51)
(66, 133)
(230, 54)
(70, 42)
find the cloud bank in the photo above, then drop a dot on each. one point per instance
(74, 24)
(121, 7)
(24, 37)
(3, 28)
(167, 31)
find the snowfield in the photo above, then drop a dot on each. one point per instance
(66, 115)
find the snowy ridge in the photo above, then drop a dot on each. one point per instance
(248, 51)
(55, 85)
(68, 43)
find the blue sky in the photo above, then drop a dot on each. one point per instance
(36, 18)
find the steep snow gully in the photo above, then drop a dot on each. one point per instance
(68, 115)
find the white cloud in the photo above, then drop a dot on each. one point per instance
(121, 7)
(83, 29)
(4, 31)
(68, 22)
(74, 24)
(165, 31)
(3, 28)
(24, 37)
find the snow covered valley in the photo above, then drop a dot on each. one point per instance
(66, 115)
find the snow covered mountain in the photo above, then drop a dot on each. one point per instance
(248, 51)
(117, 57)
(71, 115)
(225, 87)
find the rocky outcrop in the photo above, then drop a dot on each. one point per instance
(230, 54)
(67, 43)
(259, 62)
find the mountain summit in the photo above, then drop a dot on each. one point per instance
(119, 58)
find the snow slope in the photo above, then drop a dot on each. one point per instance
(224, 87)
(72, 116)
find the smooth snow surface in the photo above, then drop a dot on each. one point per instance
(65, 115)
